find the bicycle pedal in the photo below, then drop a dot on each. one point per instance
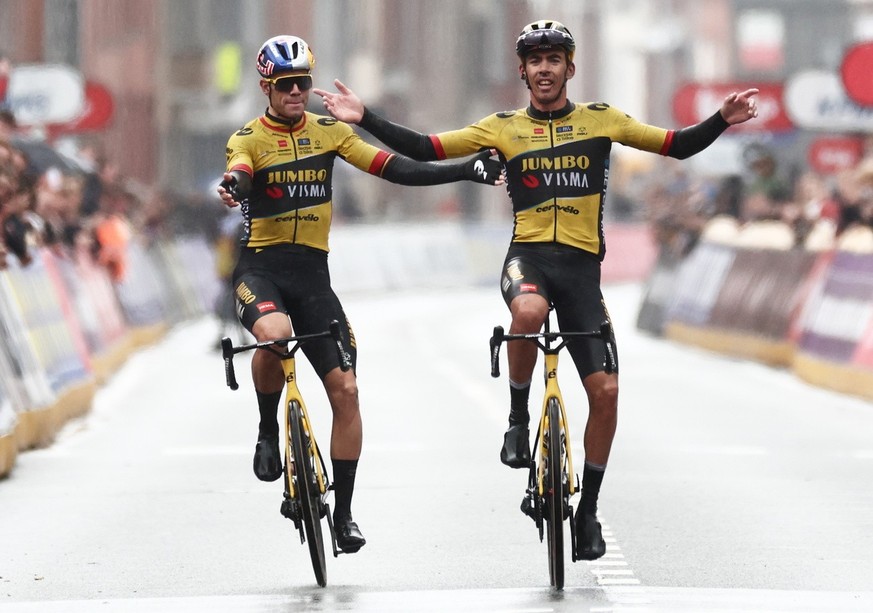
(527, 507)
(291, 510)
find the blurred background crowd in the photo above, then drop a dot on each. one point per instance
(166, 82)
(793, 206)
(77, 202)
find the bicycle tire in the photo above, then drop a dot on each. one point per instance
(554, 494)
(308, 492)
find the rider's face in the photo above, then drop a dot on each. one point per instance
(287, 105)
(546, 73)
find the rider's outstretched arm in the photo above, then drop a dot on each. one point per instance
(694, 139)
(736, 108)
(405, 171)
(404, 140)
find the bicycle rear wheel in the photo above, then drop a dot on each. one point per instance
(554, 495)
(308, 492)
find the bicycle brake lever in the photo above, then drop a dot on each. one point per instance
(496, 340)
(336, 334)
(227, 354)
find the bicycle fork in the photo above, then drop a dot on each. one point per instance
(537, 483)
(292, 393)
(553, 391)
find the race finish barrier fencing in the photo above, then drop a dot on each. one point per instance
(807, 310)
(67, 324)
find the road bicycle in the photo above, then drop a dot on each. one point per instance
(306, 478)
(550, 486)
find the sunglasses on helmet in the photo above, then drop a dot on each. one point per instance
(286, 84)
(542, 38)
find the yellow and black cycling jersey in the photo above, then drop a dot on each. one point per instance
(557, 165)
(290, 201)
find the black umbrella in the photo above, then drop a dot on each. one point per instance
(41, 156)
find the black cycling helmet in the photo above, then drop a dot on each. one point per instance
(545, 34)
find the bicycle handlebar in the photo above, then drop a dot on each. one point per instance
(604, 333)
(228, 350)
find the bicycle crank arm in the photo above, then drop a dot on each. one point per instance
(336, 551)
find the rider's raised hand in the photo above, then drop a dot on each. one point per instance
(740, 107)
(482, 168)
(343, 105)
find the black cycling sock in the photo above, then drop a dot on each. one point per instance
(343, 486)
(268, 404)
(518, 397)
(592, 477)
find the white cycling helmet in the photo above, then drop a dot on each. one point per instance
(285, 54)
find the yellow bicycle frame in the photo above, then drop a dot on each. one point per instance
(553, 391)
(292, 392)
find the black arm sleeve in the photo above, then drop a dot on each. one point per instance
(405, 171)
(696, 138)
(400, 138)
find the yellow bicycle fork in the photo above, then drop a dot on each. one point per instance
(553, 391)
(292, 392)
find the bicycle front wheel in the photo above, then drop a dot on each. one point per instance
(308, 491)
(554, 495)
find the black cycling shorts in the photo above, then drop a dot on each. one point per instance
(295, 280)
(569, 279)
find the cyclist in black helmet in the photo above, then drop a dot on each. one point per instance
(279, 169)
(556, 158)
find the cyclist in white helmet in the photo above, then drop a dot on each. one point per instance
(280, 170)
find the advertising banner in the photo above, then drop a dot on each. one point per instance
(86, 316)
(762, 292)
(855, 73)
(699, 281)
(99, 294)
(840, 314)
(37, 295)
(816, 100)
(142, 291)
(182, 263)
(49, 320)
(694, 102)
(45, 93)
(24, 379)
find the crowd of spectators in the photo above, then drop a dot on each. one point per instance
(791, 207)
(77, 203)
(75, 207)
